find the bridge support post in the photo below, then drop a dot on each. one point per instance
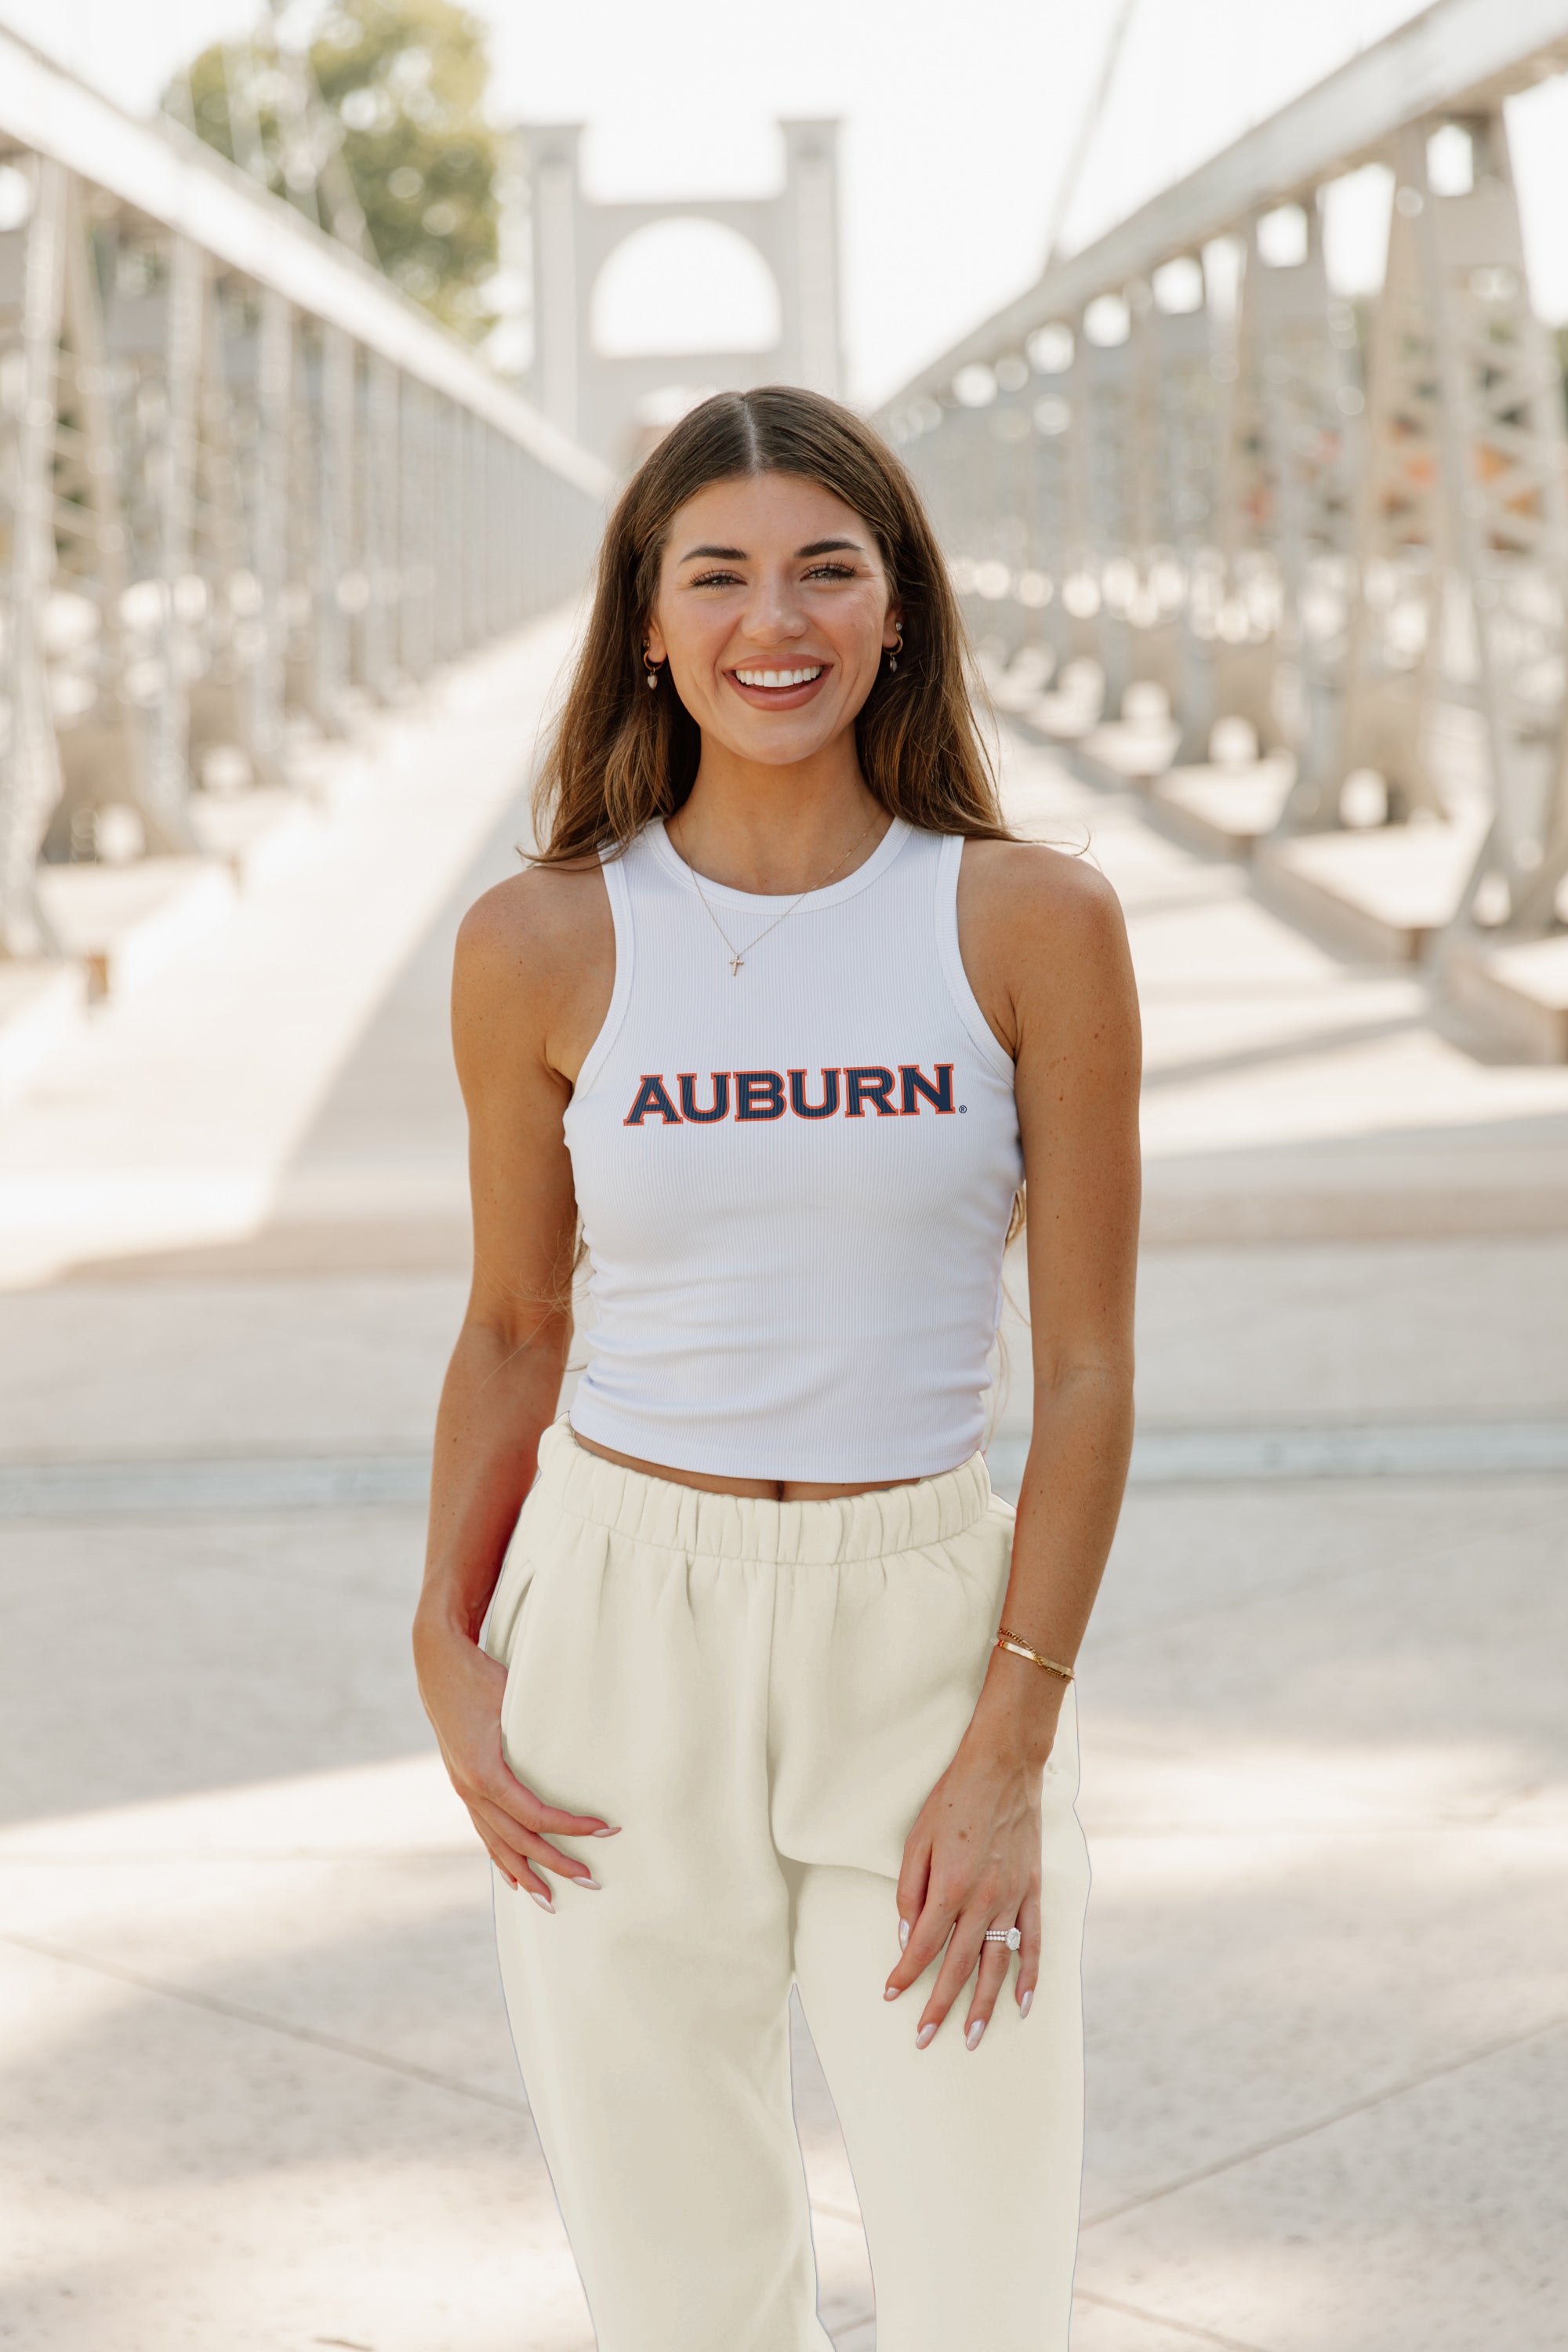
(1241, 630)
(219, 704)
(268, 517)
(336, 562)
(1103, 421)
(1297, 342)
(1180, 394)
(1079, 565)
(1009, 438)
(1394, 643)
(1045, 520)
(415, 461)
(451, 522)
(475, 531)
(498, 501)
(168, 749)
(1171, 372)
(558, 327)
(1505, 463)
(106, 754)
(32, 295)
(380, 474)
(811, 206)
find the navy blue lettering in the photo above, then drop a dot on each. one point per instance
(651, 1097)
(762, 1093)
(759, 1093)
(916, 1084)
(689, 1097)
(797, 1101)
(868, 1085)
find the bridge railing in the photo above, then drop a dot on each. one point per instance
(242, 478)
(1175, 459)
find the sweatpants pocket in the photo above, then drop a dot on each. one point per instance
(504, 1619)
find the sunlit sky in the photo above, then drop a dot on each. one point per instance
(958, 117)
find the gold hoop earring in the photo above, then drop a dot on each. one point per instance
(651, 669)
(894, 651)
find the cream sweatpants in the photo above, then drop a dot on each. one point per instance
(762, 1695)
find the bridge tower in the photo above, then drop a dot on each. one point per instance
(601, 400)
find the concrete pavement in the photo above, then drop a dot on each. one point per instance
(258, 2087)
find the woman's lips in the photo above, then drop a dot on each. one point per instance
(780, 697)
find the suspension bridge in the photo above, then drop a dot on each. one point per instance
(1267, 593)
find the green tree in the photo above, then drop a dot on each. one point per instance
(390, 93)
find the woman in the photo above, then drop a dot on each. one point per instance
(784, 1016)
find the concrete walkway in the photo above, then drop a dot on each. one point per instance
(259, 2091)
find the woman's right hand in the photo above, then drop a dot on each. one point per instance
(462, 1689)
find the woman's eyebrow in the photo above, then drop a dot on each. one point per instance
(738, 554)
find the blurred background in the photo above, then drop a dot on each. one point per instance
(1227, 345)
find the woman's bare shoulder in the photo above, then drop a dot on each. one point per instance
(1043, 942)
(1033, 916)
(537, 920)
(1029, 880)
(535, 965)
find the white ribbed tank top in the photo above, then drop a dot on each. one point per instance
(794, 1181)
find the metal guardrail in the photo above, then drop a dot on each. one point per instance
(242, 477)
(1190, 472)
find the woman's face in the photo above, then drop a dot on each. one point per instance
(773, 615)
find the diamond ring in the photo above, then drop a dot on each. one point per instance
(1008, 1935)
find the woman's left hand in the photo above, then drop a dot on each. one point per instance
(972, 1861)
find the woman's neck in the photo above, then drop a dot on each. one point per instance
(775, 831)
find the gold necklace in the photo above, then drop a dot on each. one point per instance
(738, 955)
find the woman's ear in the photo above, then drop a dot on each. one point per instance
(894, 627)
(653, 640)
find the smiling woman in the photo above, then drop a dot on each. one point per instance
(778, 1018)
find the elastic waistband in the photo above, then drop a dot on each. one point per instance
(749, 1527)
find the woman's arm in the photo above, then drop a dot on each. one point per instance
(528, 968)
(1045, 951)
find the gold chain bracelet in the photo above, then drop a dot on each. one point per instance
(1005, 1641)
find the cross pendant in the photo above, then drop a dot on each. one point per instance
(735, 964)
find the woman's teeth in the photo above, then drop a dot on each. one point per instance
(778, 676)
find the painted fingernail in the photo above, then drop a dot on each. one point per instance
(615, 1832)
(925, 2034)
(1024, 2001)
(593, 1884)
(542, 1900)
(903, 1934)
(972, 2039)
(893, 1992)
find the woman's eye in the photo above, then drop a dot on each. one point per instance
(732, 579)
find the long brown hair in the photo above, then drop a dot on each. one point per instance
(619, 756)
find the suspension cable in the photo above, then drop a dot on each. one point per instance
(1086, 130)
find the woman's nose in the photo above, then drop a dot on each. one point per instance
(775, 613)
(774, 628)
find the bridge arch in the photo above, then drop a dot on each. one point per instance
(684, 285)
